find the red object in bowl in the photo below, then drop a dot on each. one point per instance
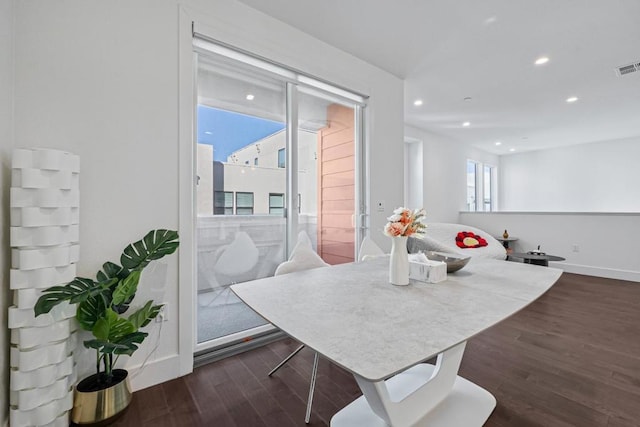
(468, 239)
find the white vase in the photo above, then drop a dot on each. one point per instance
(399, 262)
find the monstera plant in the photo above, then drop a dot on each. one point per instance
(103, 302)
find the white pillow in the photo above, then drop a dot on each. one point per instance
(303, 257)
(303, 238)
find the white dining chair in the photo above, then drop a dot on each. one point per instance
(232, 263)
(237, 258)
(303, 257)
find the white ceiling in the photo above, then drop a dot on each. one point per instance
(485, 50)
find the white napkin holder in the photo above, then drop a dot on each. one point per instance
(425, 270)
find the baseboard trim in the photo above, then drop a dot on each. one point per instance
(213, 355)
(154, 372)
(609, 273)
(166, 369)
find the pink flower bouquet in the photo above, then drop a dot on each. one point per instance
(405, 222)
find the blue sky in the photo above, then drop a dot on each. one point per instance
(228, 131)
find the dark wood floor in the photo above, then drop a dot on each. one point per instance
(572, 358)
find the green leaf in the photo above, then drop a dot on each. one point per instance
(120, 309)
(128, 344)
(78, 290)
(96, 344)
(101, 329)
(126, 288)
(90, 311)
(109, 270)
(146, 314)
(155, 310)
(120, 329)
(112, 327)
(155, 245)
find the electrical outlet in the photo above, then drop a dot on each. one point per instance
(576, 248)
(163, 315)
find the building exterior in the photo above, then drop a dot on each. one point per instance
(253, 179)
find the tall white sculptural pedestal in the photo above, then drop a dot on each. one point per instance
(44, 238)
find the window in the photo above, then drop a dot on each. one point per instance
(255, 161)
(244, 203)
(223, 203)
(276, 204)
(472, 171)
(487, 188)
(481, 187)
(281, 158)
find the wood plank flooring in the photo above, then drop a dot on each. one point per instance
(572, 358)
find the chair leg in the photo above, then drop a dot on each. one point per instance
(314, 374)
(312, 387)
(296, 351)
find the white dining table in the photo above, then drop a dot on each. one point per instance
(382, 333)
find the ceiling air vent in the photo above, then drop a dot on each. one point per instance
(628, 69)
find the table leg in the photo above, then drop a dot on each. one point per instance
(506, 248)
(424, 395)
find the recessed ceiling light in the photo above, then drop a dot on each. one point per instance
(417, 102)
(208, 133)
(512, 149)
(572, 99)
(490, 20)
(498, 143)
(542, 60)
(466, 124)
(250, 97)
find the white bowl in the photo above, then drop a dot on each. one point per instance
(454, 261)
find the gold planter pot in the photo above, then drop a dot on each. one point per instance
(101, 406)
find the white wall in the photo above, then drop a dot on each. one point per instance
(100, 79)
(606, 242)
(6, 145)
(596, 177)
(413, 174)
(605, 246)
(444, 174)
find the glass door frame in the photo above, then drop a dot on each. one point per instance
(293, 80)
(291, 199)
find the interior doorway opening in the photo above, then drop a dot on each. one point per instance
(413, 173)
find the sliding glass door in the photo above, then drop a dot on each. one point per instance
(274, 158)
(326, 171)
